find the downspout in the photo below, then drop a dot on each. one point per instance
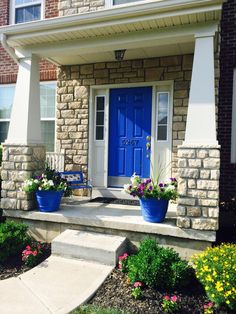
(8, 49)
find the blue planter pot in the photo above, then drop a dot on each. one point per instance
(48, 201)
(153, 210)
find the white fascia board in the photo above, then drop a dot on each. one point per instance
(113, 14)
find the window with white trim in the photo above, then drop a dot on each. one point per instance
(23, 11)
(233, 132)
(99, 118)
(116, 2)
(162, 116)
(47, 108)
(111, 3)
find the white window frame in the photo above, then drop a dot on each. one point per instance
(109, 3)
(168, 115)
(13, 8)
(233, 127)
(41, 119)
(6, 119)
(95, 119)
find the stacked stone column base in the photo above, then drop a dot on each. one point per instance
(199, 172)
(19, 163)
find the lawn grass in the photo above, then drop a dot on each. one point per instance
(90, 309)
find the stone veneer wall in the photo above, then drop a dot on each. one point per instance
(73, 99)
(68, 7)
(199, 172)
(19, 162)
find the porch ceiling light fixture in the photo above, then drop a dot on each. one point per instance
(119, 54)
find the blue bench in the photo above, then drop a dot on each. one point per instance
(76, 180)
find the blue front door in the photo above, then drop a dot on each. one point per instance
(129, 134)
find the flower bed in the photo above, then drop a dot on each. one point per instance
(156, 280)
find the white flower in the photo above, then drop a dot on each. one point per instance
(135, 180)
(126, 189)
(170, 187)
(36, 181)
(50, 182)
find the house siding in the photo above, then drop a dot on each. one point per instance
(8, 67)
(73, 99)
(228, 63)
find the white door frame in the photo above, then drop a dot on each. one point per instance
(107, 88)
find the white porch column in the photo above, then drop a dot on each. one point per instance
(23, 153)
(201, 119)
(25, 117)
(199, 156)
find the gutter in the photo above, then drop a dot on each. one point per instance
(8, 49)
(12, 53)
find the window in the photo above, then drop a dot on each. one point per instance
(116, 2)
(111, 3)
(47, 106)
(162, 115)
(26, 10)
(233, 134)
(99, 119)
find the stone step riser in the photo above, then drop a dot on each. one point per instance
(103, 249)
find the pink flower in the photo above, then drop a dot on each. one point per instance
(28, 247)
(167, 298)
(125, 255)
(35, 253)
(28, 252)
(174, 298)
(38, 246)
(138, 284)
(119, 265)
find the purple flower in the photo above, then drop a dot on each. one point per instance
(161, 185)
(148, 181)
(150, 189)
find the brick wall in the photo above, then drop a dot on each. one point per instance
(8, 67)
(228, 63)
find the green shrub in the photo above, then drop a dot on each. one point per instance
(13, 239)
(216, 270)
(158, 267)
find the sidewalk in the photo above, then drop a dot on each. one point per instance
(58, 285)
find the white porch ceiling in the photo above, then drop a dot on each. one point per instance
(155, 28)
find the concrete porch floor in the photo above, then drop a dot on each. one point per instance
(79, 213)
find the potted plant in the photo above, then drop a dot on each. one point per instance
(48, 188)
(153, 196)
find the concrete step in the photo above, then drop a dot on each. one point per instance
(101, 248)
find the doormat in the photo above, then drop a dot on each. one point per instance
(109, 200)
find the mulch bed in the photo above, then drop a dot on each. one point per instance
(115, 293)
(14, 266)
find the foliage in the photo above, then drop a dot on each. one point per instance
(50, 180)
(123, 262)
(136, 291)
(170, 304)
(31, 254)
(13, 238)
(158, 267)
(216, 270)
(148, 188)
(89, 309)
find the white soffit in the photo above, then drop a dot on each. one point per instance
(145, 29)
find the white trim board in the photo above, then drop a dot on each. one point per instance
(94, 90)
